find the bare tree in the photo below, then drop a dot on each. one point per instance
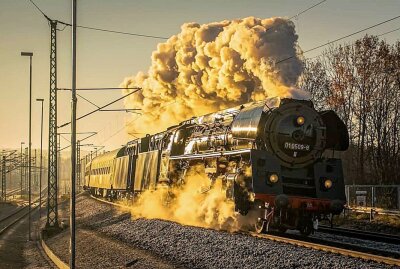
(361, 82)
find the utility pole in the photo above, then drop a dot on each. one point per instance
(52, 180)
(41, 158)
(73, 141)
(59, 161)
(26, 171)
(21, 169)
(78, 165)
(34, 160)
(3, 180)
(29, 54)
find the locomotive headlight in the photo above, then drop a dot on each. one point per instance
(327, 183)
(300, 120)
(273, 178)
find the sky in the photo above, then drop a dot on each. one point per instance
(105, 59)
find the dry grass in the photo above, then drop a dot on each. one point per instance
(380, 223)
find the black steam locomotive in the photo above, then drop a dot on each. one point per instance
(270, 155)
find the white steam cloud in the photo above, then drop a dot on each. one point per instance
(214, 66)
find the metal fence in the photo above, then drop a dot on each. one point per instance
(376, 196)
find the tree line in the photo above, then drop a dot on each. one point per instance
(361, 82)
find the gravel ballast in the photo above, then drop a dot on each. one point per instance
(194, 247)
(97, 251)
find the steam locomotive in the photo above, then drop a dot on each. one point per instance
(271, 155)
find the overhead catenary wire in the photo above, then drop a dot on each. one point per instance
(130, 123)
(106, 105)
(83, 139)
(298, 14)
(87, 100)
(40, 10)
(116, 32)
(100, 89)
(338, 39)
(117, 132)
(150, 36)
(385, 33)
(96, 28)
(304, 11)
(69, 141)
(389, 32)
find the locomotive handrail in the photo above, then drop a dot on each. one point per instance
(213, 154)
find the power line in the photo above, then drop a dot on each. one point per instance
(298, 14)
(87, 100)
(390, 32)
(41, 11)
(115, 31)
(69, 141)
(319, 55)
(304, 11)
(149, 36)
(130, 122)
(83, 139)
(90, 113)
(100, 89)
(127, 110)
(98, 29)
(117, 132)
(338, 39)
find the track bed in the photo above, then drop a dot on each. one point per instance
(194, 247)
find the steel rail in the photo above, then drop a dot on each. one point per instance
(307, 244)
(13, 191)
(13, 214)
(16, 220)
(366, 235)
(18, 210)
(331, 249)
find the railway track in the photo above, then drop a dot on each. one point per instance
(17, 215)
(350, 250)
(365, 235)
(13, 218)
(328, 247)
(12, 192)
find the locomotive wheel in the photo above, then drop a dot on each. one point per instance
(282, 229)
(306, 228)
(261, 226)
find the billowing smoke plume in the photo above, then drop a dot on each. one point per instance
(198, 202)
(214, 66)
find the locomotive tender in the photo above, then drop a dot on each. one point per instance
(269, 154)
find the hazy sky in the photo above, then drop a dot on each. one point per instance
(105, 59)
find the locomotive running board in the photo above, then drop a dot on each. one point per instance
(213, 154)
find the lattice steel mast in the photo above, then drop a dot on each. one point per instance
(3, 180)
(52, 190)
(78, 165)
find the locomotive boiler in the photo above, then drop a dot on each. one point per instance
(271, 156)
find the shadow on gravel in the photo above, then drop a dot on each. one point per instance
(87, 223)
